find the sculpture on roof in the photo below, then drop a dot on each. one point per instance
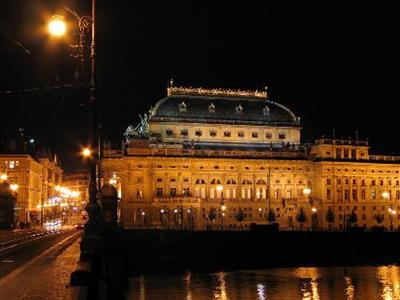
(141, 130)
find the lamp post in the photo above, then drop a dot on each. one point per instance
(220, 189)
(307, 193)
(182, 216)
(391, 211)
(87, 24)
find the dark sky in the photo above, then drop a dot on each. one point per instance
(334, 65)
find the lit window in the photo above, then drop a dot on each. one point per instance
(239, 109)
(11, 164)
(266, 111)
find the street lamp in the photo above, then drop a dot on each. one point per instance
(3, 177)
(86, 152)
(57, 26)
(223, 209)
(14, 187)
(392, 214)
(87, 28)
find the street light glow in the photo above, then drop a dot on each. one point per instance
(3, 177)
(14, 187)
(385, 195)
(307, 191)
(57, 26)
(86, 152)
(314, 210)
(223, 207)
(220, 188)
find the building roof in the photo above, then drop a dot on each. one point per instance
(223, 109)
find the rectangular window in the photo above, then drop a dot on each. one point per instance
(363, 194)
(373, 182)
(346, 195)
(213, 133)
(381, 182)
(397, 195)
(353, 153)
(373, 194)
(339, 195)
(338, 153)
(354, 194)
(159, 192)
(339, 181)
(328, 181)
(363, 182)
(139, 179)
(172, 192)
(184, 132)
(282, 136)
(328, 194)
(198, 133)
(227, 134)
(11, 164)
(354, 181)
(241, 134)
(268, 135)
(346, 153)
(186, 191)
(254, 135)
(159, 179)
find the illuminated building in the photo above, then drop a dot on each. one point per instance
(78, 182)
(35, 180)
(224, 158)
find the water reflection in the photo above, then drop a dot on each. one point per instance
(388, 276)
(286, 283)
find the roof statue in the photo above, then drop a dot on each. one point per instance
(141, 130)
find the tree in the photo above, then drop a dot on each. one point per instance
(239, 216)
(271, 217)
(379, 218)
(352, 219)
(301, 217)
(212, 215)
(330, 217)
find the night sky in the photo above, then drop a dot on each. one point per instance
(335, 66)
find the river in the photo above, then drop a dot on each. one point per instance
(367, 282)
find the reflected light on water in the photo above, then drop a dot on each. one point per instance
(261, 291)
(187, 279)
(142, 288)
(309, 287)
(349, 288)
(220, 289)
(388, 276)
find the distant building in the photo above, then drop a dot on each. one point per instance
(226, 158)
(34, 176)
(78, 182)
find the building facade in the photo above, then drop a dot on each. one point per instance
(226, 159)
(34, 181)
(78, 182)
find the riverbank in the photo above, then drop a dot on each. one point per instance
(152, 251)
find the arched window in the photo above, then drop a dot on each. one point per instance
(261, 181)
(231, 181)
(215, 181)
(200, 181)
(247, 181)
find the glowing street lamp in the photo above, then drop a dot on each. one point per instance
(14, 187)
(3, 177)
(57, 26)
(307, 191)
(86, 152)
(314, 210)
(385, 195)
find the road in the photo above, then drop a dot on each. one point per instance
(35, 264)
